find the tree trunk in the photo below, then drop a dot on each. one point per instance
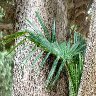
(26, 82)
(88, 81)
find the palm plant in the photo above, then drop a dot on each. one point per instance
(69, 53)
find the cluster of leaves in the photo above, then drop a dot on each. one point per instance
(5, 74)
(69, 53)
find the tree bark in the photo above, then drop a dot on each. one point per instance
(88, 81)
(26, 82)
(6, 26)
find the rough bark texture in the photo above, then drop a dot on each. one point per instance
(88, 81)
(6, 26)
(27, 82)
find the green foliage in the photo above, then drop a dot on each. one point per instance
(75, 68)
(5, 74)
(64, 51)
(71, 54)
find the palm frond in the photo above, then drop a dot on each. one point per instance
(45, 29)
(65, 51)
(10, 38)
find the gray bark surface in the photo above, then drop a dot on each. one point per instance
(88, 81)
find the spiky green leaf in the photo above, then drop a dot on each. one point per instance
(45, 29)
(54, 65)
(58, 73)
(44, 60)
